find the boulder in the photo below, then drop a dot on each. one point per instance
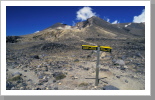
(36, 57)
(17, 74)
(119, 62)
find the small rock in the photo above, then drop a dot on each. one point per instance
(95, 87)
(125, 66)
(25, 76)
(12, 67)
(13, 88)
(18, 81)
(40, 83)
(40, 77)
(43, 87)
(80, 66)
(88, 56)
(75, 77)
(45, 77)
(55, 88)
(24, 84)
(59, 83)
(45, 80)
(45, 68)
(73, 55)
(139, 54)
(54, 81)
(59, 67)
(36, 57)
(39, 69)
(114, 60)
(38, 89)
(35, 71)
(76, 60)
(110, 87)
(65, 72)
(31, 69)
(101, 69)
(122, 68)
(9, 85)
(41, 56)
(21, 88)
(25, 70)
(123, 57)
(47, 73)
(49, 88)
(39, 66)
(126, 81)
(29, 80)
(17, 73)
(118, 76)
(120, 62)
(86, 68)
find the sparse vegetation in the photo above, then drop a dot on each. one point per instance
(62, 76)
(76, 60)
(15, 78)
(83, 84)
(59, 75)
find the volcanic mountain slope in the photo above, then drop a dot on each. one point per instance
(137, 29)
(53, 58)
(92, 27)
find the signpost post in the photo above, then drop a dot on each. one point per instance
(98, 48)
(97, 66)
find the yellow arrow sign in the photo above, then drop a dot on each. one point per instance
(105, 48)
(89, 47)
(102, 48)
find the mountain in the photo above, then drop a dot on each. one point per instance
(92, 27)
(53, 59)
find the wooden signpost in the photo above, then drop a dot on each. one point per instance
(98, 48)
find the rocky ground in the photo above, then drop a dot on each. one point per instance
(58, 66)
(53, 59)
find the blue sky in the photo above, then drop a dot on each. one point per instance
(22, 20)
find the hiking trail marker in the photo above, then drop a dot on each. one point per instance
(98, 48)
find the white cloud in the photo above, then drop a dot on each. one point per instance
(140, 18)
(115, 22)
(85, 13)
